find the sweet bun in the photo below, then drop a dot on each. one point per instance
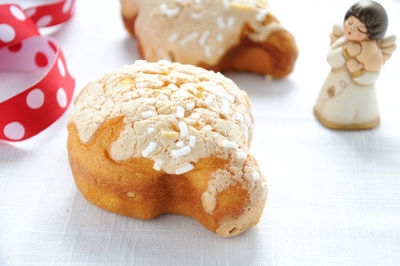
(155, 138)
(217, 35)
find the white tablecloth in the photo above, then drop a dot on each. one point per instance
(334, 196)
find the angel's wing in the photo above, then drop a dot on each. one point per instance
(337, 32)
(387, 45)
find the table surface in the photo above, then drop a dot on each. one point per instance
(334, 196)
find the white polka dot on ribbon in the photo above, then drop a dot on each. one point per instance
(62, 98)
(44, 21)
(35, 99)
(14, 131)
(67, 6)
(17, 13)
(7, 33)
(61, 67)
(30, 12)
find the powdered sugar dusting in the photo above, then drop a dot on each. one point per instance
(180, 152)
(148, 114)
(184, 169)
(149, 149)
(169, 12)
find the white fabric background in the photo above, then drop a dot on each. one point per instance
(334, 196)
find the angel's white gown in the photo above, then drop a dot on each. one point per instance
(345, 100)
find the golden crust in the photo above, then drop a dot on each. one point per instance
(129, 23)
(275, 57)
(133, 188)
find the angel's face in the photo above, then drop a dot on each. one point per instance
(355, 30)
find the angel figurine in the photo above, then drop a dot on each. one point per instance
(348, 98)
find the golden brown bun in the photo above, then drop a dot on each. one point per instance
(133, 188)
(153, 138)
(275, 57)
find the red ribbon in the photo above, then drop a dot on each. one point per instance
(23, 49)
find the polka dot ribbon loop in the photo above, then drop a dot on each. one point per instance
(26, 111)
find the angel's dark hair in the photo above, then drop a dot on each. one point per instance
(373, 15)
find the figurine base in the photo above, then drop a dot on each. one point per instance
(332, 125)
